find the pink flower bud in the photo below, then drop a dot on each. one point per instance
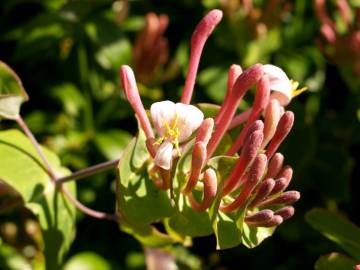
(248, 78)
(132, 94)
(205, 131)
(210, 189)
(286, 198)
(275, 165)
(285, 212)
(286, 172)
(280, 185)
(199, 37)
(264, 190)
(197, 162)
(285, 124)
(261, 216)
(261, 100)
(234, 73)
(272, 117)
(275, 221)
(254, 177)
(249, 152)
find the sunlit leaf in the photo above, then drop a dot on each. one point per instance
(335, 261)
(87, 261)
(12, 92)
(337, 229)
(22, 169)
(112, 142)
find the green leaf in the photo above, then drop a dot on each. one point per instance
(209, 110)
(111, 56)
(214, 79)
(253, 236)
(335, 261)
(87, 261)
(188, 222)
(12, 93)
(22, 169)
(140, 202)
(112, 142)
(337, 229)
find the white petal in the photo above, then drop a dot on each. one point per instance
(279, 83)
(189, 120)
(163, 157)
(161, 112)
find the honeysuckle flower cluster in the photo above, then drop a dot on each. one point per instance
(258, 178)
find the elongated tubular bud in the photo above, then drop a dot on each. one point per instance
(210, 188)
(285, 212)
(272, 118)
(233, 74)
(261, 216)
(198, 160)
(151, 146)
(285, 124)
(261, 100)
(247, 156)
(280, 185)
(345, 11)
(255, 174)
(205, 130)
(202, 31)
(275, 165)
(288, 197)
(275, 221)
(286, 172)
(132, 94)
(248, 78)
(264, 190)
(240, 118)
(328, 28)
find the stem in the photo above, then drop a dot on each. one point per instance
(37, 147)
(51, 173)
(88, 211)
(88, 171)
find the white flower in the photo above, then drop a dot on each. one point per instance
(174, 123)
(284, 88)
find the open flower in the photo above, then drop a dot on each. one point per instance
(174, 123)
(284, 88)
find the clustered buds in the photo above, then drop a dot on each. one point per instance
(341, 48)
(258, 179)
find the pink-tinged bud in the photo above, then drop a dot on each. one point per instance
(197, 162)
(286, 212)
(272, 117)
(202, 31)
(261, 100)
(261, 216)
(210, 189)
(280, 185)
(357, 267)
(249, 152)
(132, 93)
(240, 118)
(345, 11)
(286, 172)
(286, 198)
(151, 146)
(275, 165)
(233, 74)
(205, 131)
(248, 78)
(254, 177)
(264, 190)
(285, 124)
(275, 221)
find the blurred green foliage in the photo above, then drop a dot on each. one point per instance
(68, 52)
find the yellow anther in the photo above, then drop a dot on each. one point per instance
(294, 91)
(171, 133)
